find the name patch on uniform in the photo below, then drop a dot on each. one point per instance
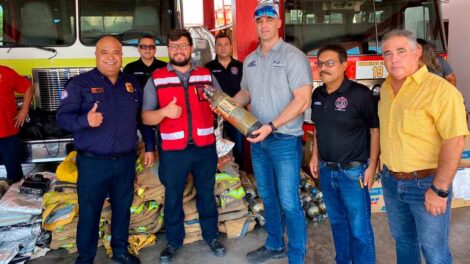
(129, 87)
(217, 71)
(317, 103)
(97, 90)
(341, 103)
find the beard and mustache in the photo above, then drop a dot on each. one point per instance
(180, 63)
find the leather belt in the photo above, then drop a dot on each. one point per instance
(99, 156)
(343, 165)
(413, 175)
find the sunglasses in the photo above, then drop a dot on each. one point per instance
(328, 63)
(268, 11)
(146, 47)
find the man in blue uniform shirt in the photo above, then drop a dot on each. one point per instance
(101, 108)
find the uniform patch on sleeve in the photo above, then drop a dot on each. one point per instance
(64, 95)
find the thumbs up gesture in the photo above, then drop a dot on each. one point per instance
(94, 118)
(172, 110)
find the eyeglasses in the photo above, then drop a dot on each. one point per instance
(146, 47)
(182, 46)
(266, 10)
(328, 63)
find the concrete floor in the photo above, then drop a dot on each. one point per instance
(320, 249)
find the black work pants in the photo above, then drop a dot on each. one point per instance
(98, 178)
(11, 153)
(174, 168)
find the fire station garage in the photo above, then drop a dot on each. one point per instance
(223, 131)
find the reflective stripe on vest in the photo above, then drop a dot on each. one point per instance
(172, 136)
(205, 131)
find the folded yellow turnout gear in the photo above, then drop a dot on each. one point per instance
(59, 209)
(224, 181)
(138, 242)
(67, 170)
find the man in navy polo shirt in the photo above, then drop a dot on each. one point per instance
(228, 72)
(345, 154)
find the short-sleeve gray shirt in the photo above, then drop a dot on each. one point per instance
(271, 81)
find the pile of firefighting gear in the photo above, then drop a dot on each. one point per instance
(238, 204)
(20, 223)
(312, 199)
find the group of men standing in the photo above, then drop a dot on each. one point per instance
(422, 124)
(422, 128)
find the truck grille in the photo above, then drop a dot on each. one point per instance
(50, 84)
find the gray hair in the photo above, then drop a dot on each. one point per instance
(410, 36)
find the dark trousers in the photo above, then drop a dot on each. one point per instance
(237, 137)
(173, 169)
(98, 178)
(11, 153)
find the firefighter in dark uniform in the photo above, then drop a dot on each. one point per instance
(101, 108)
(143, 67)
(186, 141)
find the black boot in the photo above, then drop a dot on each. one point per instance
(263, 254)
(217, 247)
(167, 255)
(125, 259)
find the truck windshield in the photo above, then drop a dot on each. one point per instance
(37, 23)
(126, 19)
(360, 24)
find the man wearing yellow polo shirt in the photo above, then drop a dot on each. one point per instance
(422, 125)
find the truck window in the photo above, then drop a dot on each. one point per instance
(359, 24)
(37, 23)
(127, 20)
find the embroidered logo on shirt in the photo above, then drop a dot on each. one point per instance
(317, 103)
(129, 87)
(217, 71)
(277, 63)
(234, 70)
(341, 103)
(96, 90)
(64, 95)
(251, 64)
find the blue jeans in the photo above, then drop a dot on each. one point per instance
(412, 227)
(348, 208)
(276, 165)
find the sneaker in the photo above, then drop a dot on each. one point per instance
(263, 254)
(167, 255)
(125, 259)
(217, 247)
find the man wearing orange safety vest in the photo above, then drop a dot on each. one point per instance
(186, 141)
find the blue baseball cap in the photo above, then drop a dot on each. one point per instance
(266, 9)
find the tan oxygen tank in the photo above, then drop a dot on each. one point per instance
(231, 111)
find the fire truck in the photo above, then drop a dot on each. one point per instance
(50, 41)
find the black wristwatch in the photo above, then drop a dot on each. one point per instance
(440, 193)
(273, 128)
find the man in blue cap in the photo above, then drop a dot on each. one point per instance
(277, 82)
